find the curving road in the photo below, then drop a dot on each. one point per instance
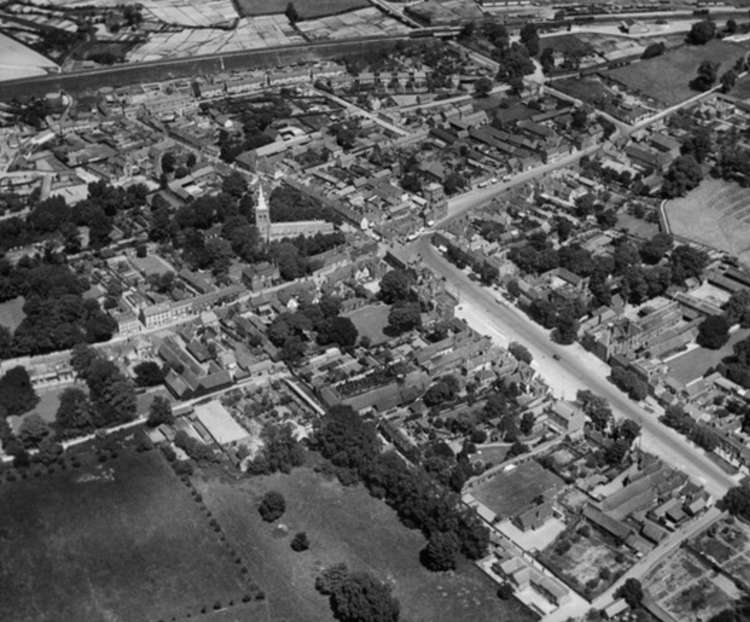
(575, 369)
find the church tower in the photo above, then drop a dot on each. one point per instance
(262, 215)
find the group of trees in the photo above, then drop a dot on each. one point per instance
(397, 290)
(280, 452)
(488, 273)
(56, 314)
(110, 400)
(675, 417)
(683, 174)
(289, 330)
(353, 447)
(357, 596)
(513, 58)
(630, 382)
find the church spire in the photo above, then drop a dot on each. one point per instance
(262, 215)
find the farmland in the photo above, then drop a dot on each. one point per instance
(665, 80)
(120, 540)
(20, 61)
(715, 214)
(305, 9)
(343, 524)
(368, 22)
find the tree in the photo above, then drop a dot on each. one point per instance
(300, 542)
(272, 506)
(547, 59)
(520, 352)
(728, 80)
(17, 394)
(81, 357)
(737, 308)
(632, 592)
(234, 185)
(596, 408)
(713, 332)
(160, 412)
(49, 450)
(530, 38)
(687, 262)
(654, 49)
(653, 250)
(291, 13)
(168, 162)
(33, 430)
(360, 597)
(75, 412)
(338, 330)
(579, 119)
(483, 86)
(440, 552)
(329, 580)
(566, 328)
(395, 286)
(706, 77)
(701, 32)
(731, 27)
(527, 423)
(684, 174)
(404, 316)
(148, 374)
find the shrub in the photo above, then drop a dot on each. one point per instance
(300, 542)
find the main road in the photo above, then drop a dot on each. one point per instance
(569, 368)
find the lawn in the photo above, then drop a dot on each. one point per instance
(306, 9)
(666, 79)
(694, 364)
(121, 540)
(370, 322)
(343, 525)
(509, 492)
(715, 214)
(11, 313)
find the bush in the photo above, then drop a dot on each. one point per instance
(272, 506)
(300, 542)
(505, 591)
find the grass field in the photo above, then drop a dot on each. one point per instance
(370, 321)
(11, 312)
(118, 541)
(694, 364)
(306, 9)
(715, 214)
(666, 79)
(507, 493)
(343, 525)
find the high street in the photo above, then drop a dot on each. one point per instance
(569, 368)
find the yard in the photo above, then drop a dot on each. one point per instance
(11, 313)
(584, 558)
(509, 492)
(666, 79)
(370, 322)
(343, 525)
(306, 9)
(695, 363)
(715, 214)
(120, 540)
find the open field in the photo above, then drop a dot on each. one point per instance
(507, 493)
(11, 313)
(694, 364)
(306, 9)
(343, 525)
(715, 214)
(122, 540)
(370, 322)
(665, 79)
